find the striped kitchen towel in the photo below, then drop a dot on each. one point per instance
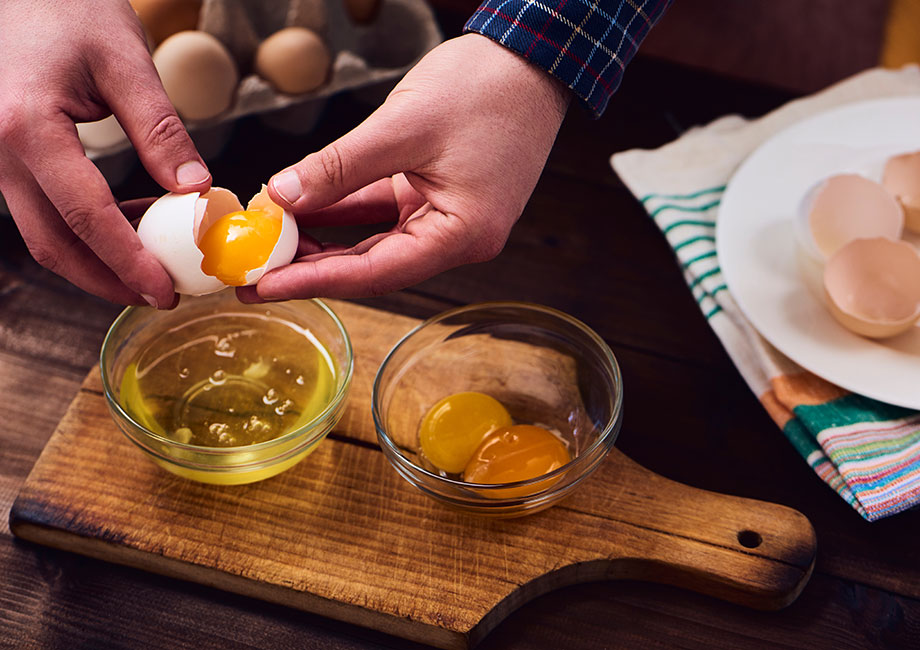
(869, 452)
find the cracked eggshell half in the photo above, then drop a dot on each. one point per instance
(174, 224)
(286, 247)
(901, 177)
(841, 208)
(872, 286)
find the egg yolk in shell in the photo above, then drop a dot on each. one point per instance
(455, 426)
(239, 242)
(517, 453)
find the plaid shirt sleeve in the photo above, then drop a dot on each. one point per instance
(586, 44)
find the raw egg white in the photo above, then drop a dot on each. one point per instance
(207, 242)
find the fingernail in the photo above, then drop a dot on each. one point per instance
(150, 300)
(191, 173)
(287, 184)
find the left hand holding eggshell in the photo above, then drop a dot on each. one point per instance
(61, 64)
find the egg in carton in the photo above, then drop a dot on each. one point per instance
(249, 53)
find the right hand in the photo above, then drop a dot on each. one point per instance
(448, 163)
(68, 62)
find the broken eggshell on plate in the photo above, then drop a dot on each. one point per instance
(838, 209)
(872, 286)
(173, 227)
(901, 177)
(850, 228)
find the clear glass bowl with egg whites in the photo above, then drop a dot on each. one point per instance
(137, 329)
(546, 367)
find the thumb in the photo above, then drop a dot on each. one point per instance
(154, 127)
(377, 148)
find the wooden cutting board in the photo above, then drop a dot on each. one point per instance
(342, 535)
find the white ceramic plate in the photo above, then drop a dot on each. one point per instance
(756, 243)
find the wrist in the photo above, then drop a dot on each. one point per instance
(585, 45)
(522, 76)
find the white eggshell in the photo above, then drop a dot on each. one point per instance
(168, 229)
(284, 249)
(841, 208)
(873, 286)
(901, 177)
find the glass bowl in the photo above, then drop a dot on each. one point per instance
(137, 327)
(544, 366)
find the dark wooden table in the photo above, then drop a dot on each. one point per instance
(583, 245)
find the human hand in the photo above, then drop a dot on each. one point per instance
(67, 62)
(452, 157)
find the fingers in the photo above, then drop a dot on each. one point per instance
(83, 199)
(52, 243)
(134, 209)
(372, 204)
(374, 150)
(428, 245)
(128, 83)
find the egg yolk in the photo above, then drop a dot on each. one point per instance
(455, 426)
(237, 243)
(517, 453)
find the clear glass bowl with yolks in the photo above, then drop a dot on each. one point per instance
(131, 335)
(467, 402)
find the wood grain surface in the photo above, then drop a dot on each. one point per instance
(343, 536)
(584, 246)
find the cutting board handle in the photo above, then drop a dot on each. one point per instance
(746, 551)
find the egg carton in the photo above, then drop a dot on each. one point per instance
(367, 61)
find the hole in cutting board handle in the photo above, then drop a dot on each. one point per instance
(750, 539)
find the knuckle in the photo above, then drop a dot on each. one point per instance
(81, 222)
(166, 130)
(375, 284)
(46, 255)
(12, 124)
(332, 165)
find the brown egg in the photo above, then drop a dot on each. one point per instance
(198, 73)
(294, 60)
(873, 286)
(845, 207)
(362, 11)
(163, 18)
(902, 178)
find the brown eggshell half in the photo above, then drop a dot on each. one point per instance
(902, 178)
(872, 286)
(847, 207)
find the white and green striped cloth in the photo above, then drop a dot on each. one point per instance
(869, 452)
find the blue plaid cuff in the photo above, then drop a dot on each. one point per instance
(584, 43)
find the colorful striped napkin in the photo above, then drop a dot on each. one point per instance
(869, 452)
